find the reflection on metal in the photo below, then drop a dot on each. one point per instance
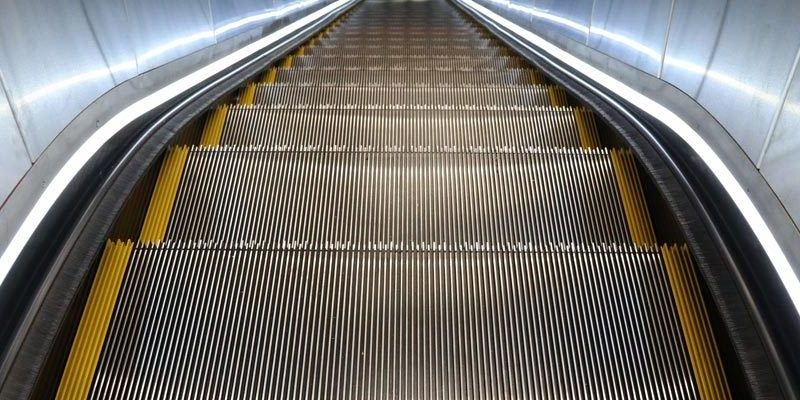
(735, 58)
(14, 160)
(83, 48)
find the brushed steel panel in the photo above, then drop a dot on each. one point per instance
(633, 31)
(51, 65)
(165, 30)
(749, 68)
(109, 22)
(14, 159)
(570, 18)
(693, 34)
(232, 17)
(782, 161)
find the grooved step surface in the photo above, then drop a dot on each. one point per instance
(402, 130)
(364, 199)
(366, 77)
(291, 96)
(375, 62)
(401, 208)
(245, 323)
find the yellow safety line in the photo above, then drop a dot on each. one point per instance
(212, 131)
(270, 75)
(702, 347)
(77, 377)
(301, 51)
(587, 128)
(160, 209)
(556, 95)
(636, 212)
(536, 77)
(287, 62)
(248, 96)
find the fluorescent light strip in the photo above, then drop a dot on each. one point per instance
(686, 132)
(128, 115)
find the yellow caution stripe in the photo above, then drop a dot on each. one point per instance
(287, 62)
(270, 76)
(587, 128)
(536, 77)
(215, 122)
(160, 209)
(630, 188)
(246, 97)
(557, 95)
(77, 377)
(700, 342)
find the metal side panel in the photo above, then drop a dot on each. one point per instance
(633, 31)
(750, 67)
(112, 31)
(52, 67)
(14, 160)
(782, 157)
(166, 30)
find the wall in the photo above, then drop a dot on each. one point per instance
(736, 58)
(57, 57)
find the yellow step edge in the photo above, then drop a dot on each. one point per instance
(633, 202)
(287, 62)
(79, 372)
(587, 128)
(536, 77)
(553, 93)
(212, 131)
(270, 76)
(164, 193)
(300, 51)
(248, 95)
(695, 324)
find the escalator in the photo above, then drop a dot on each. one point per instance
(402, 207)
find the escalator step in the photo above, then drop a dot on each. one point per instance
(478, 98)
(375, 62)
(595, 322)
(428, 78)
(456, 200)
(418, 50)
(403, 130)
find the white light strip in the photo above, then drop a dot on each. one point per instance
(128, 115)
(686, 132)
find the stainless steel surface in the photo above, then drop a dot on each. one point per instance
(163, 31)
(751, 64)
(782, 157)
(733, 57)
(51, 66)
(633, 31)
(14, 160)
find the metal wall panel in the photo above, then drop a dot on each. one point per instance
(14, 159)
(569, 19)
(693, 33)
(109, 22)
(781, 162)
(749, 68)
(165, 30)
(633, 31)
(51, 65)
(232, 17)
